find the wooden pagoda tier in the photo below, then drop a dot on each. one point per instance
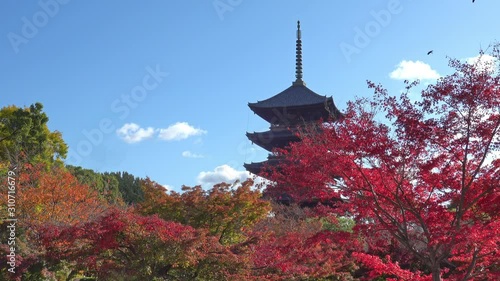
(258, 167)
(275, 138)
(296, 105)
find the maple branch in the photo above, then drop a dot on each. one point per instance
(401, 235)
(474, 201)
(464, 188)
(471, 265)
(124, 254)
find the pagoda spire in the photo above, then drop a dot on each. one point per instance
(298, 58)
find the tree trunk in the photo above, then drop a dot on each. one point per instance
(436, 272)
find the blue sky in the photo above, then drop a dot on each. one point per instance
(160, 88)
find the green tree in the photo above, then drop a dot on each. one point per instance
(129, 186)
(26, 138)
(105, 184)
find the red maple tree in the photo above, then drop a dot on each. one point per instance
(122, 243)
(424, 178)
(294, 244)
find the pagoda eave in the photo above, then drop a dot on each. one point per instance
(257, 168)
(297, 114)
(273, 139)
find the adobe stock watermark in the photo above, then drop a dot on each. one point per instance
(364, 35)
(121, 106)
(223, 6)
(11, 218)
(31, 26)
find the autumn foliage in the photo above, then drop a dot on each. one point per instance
(55, 196)
(122, 243)
(225, 210)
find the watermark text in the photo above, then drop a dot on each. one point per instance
(11, 219)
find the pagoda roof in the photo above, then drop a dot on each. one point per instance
(254, 168)
(296, 95)
(296, 104)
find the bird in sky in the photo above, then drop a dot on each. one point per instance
(430, 52)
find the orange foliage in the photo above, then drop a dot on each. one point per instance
(55, 196)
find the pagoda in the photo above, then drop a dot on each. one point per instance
(287, 112)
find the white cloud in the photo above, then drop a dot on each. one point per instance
(189, 154)
(167, 187)
(180, 131)
(223, 173)
(132, 133)
(413, 70)
(484, 62)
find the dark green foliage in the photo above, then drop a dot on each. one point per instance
(105, 184)
(129, 186)
(115, 187)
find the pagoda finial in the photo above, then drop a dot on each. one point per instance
(298, 58)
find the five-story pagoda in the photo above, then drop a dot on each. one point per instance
(287, 112)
